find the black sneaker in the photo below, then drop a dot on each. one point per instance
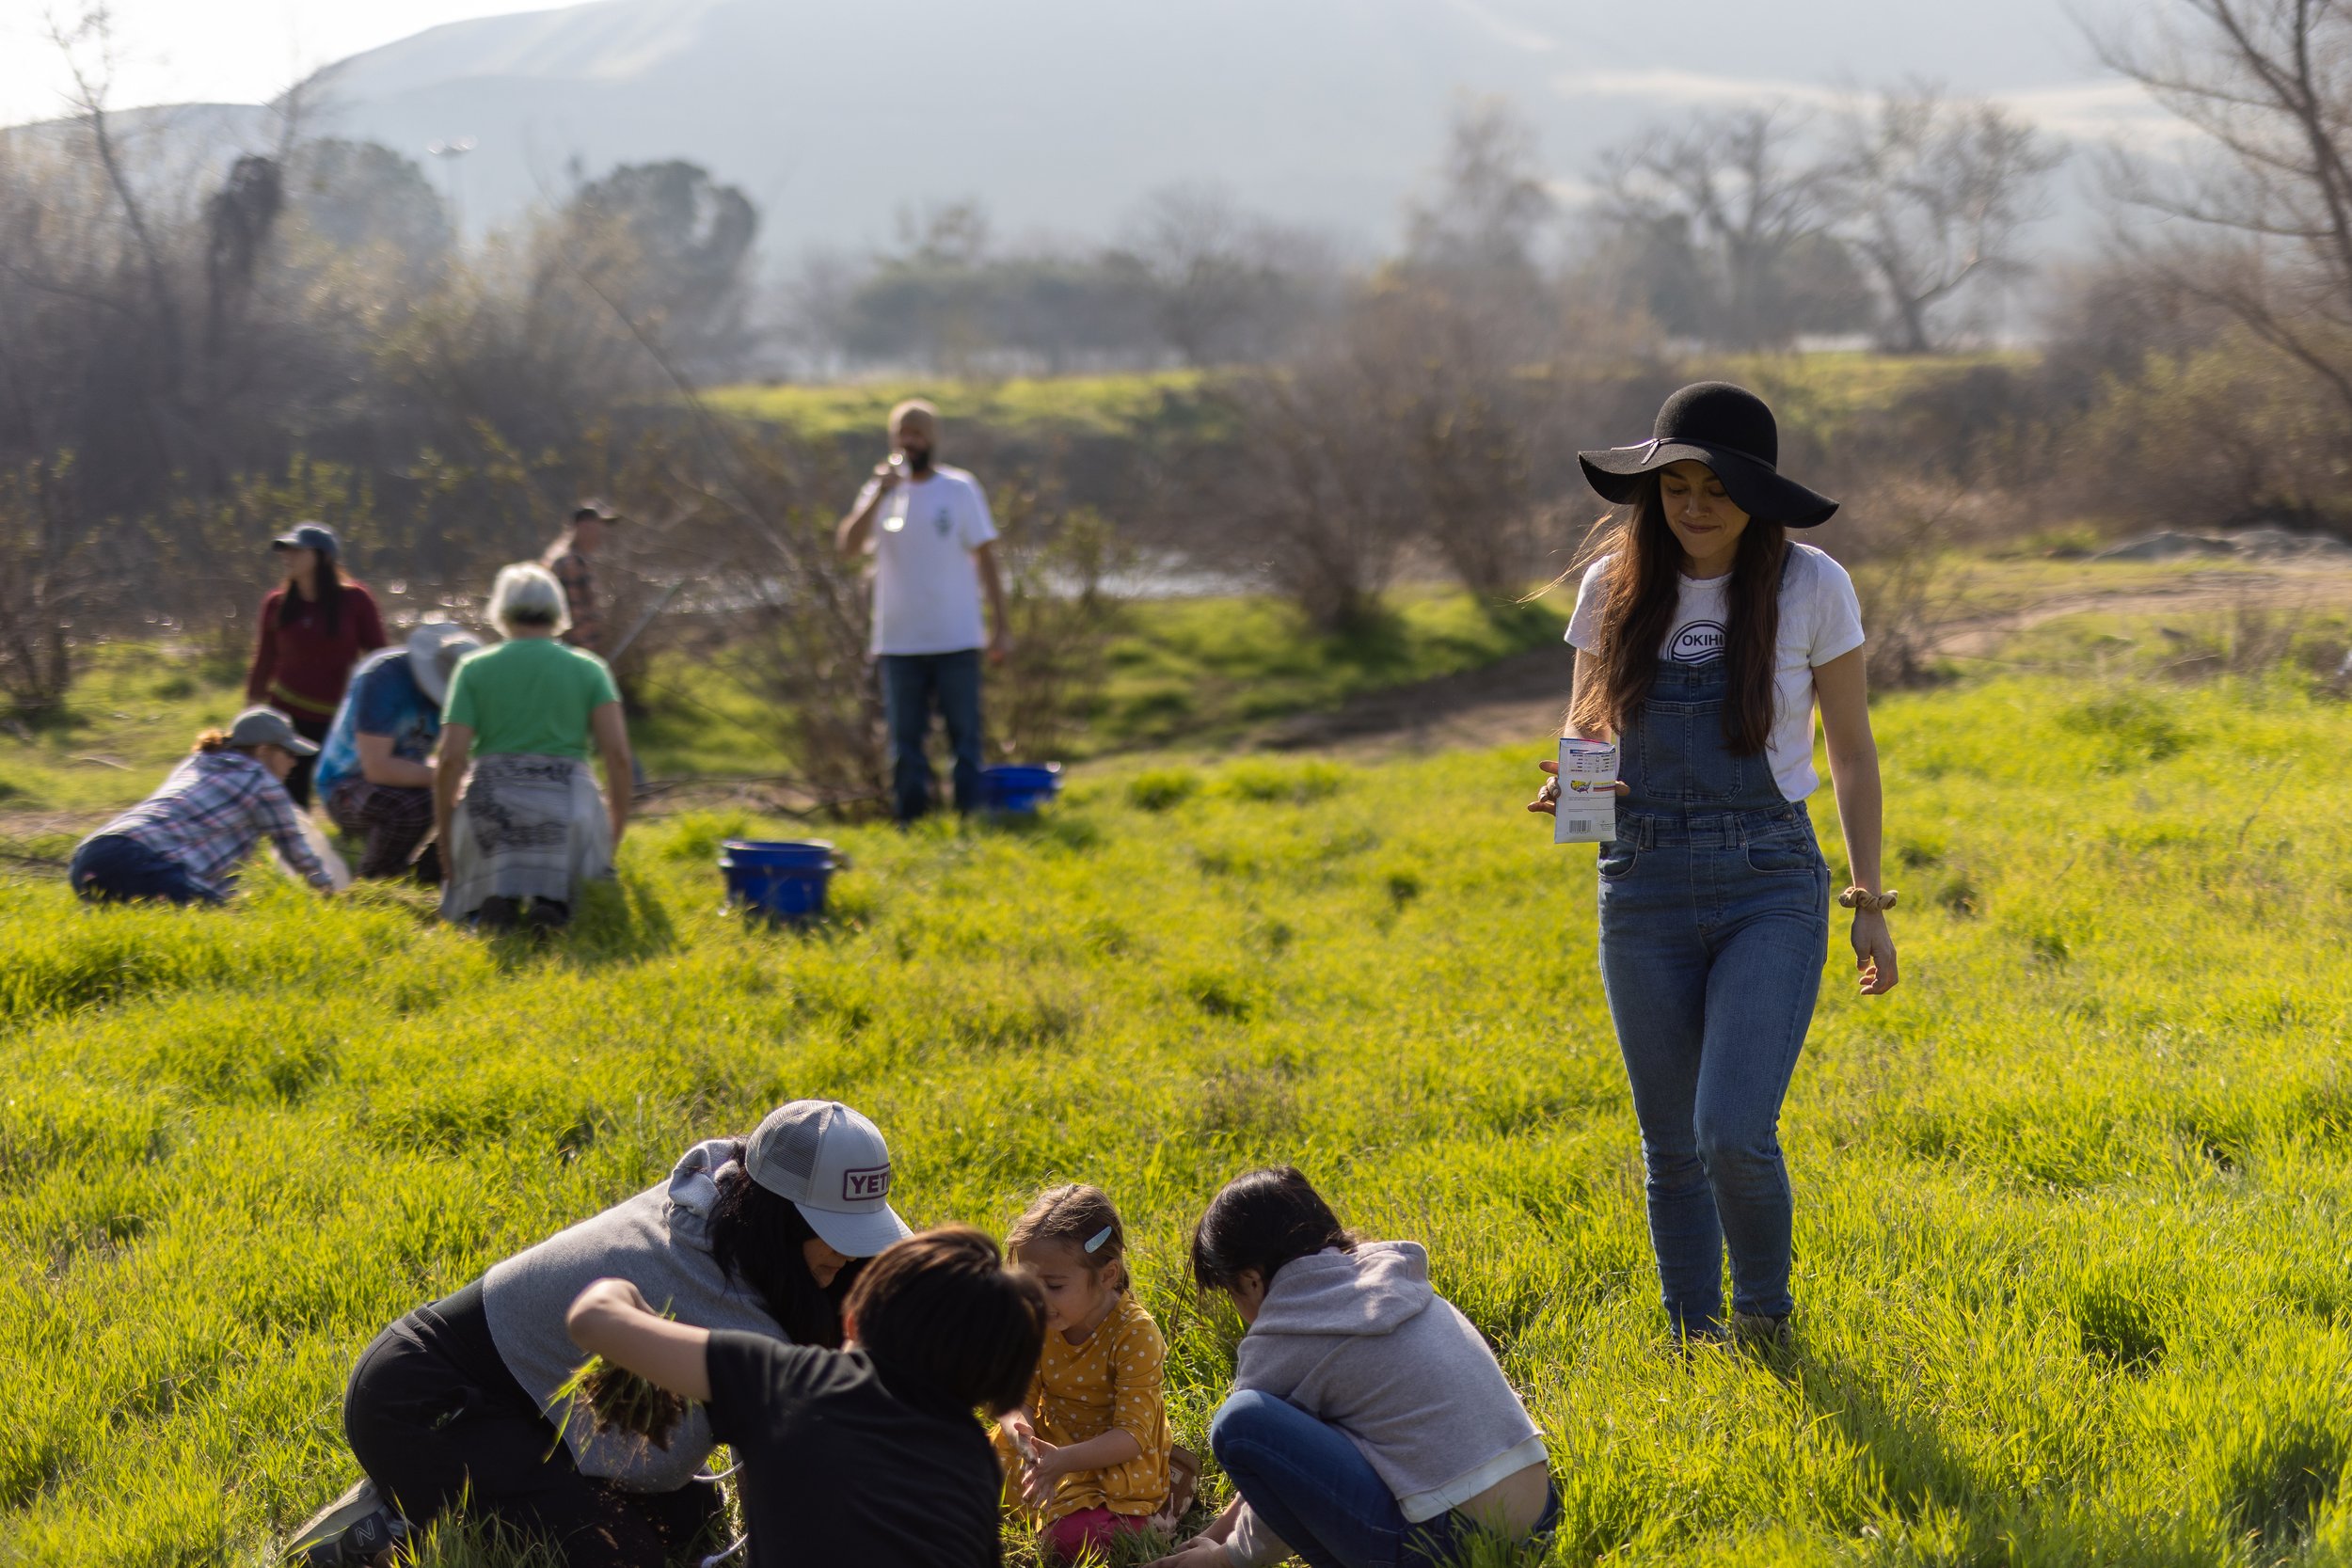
(550, 915)
(498, 914)
(358, 1529)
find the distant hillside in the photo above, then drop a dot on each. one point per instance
(1059, 114)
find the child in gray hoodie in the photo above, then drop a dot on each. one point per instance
(1369, 1423)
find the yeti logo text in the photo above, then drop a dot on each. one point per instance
(1698, 642)
(864, 1186)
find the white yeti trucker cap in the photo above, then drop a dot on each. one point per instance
(832, 1164)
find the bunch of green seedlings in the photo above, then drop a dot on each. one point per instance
(618, 1400)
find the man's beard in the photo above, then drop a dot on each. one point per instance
(919, 462)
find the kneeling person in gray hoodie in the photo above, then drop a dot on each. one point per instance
(462, 1400)
(1369, 1423)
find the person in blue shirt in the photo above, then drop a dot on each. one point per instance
(375, 770)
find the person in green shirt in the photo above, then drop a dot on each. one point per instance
(524, 826)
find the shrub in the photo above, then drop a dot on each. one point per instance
(1161, 787)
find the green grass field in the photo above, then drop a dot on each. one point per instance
(2075, 1227)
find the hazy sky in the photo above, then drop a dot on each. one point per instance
(218, 50)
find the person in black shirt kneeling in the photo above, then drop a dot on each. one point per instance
(871, 1453)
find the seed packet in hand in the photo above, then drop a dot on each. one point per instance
(1588, 799)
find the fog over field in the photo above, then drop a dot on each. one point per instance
(1056, 115)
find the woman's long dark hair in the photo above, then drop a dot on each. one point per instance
(756, 1237)
(327, 584)
(1643, 585)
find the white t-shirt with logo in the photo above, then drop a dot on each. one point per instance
(927, 589)
(1820, 619)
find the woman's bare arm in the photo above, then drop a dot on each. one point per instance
(1548, 797)
(449, 774)
(610, 729)
(1853, 766)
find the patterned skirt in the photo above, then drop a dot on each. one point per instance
(526, 827)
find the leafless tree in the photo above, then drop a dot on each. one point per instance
(1465, 416)
(52, 575)
(1056, 559)
(2267, 85)
(1934, 191)
(1226, 285)
(1490, 207)
(1316, 491)
(1749, 200)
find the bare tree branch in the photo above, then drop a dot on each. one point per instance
(1934, 192)
(2268, 85)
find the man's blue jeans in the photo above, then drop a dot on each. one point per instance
(911, 684)
(112, 869)
(1312, 1487)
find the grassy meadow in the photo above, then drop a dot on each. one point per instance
(2074, 1223)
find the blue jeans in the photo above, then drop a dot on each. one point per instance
(1715, 924)
(911, 684)
(112, 869)
(1312, 1487)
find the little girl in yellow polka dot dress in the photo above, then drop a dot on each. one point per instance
(1088, 1452)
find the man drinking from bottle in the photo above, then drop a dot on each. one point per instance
(933, 541)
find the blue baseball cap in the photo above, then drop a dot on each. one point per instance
(308, 537)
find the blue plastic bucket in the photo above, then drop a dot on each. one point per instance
(1013, 790)
(781, 878)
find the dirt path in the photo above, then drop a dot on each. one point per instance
(1522, 698)
(2200, 592)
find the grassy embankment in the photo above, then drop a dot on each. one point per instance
(1813, 388)
(1098, 404)
(2075, 1202)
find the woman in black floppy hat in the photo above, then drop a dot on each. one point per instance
(1704, 638)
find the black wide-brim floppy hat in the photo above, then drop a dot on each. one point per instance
(1730, 430)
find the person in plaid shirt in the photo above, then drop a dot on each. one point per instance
(572, 559)
(184, 842)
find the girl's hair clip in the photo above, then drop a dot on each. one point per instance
(1094, 1243)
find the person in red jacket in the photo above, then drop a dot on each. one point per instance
(314, 627)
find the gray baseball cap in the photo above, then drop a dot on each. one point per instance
(832, 1164)
(266, 726)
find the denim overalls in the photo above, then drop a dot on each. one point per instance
(1715, 924)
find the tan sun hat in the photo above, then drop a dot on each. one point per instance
(434, 650)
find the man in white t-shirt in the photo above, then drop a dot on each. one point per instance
(927, 527)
